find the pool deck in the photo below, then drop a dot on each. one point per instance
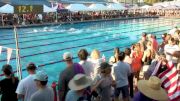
(72, 22)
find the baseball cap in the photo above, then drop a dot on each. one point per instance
(105, 65)
(41, 76)
(67, 56)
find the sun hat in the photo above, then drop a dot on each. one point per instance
(67, 56)
(41, 76)
(79, 82)
(105, 65)
(152, 89)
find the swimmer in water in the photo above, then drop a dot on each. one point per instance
(35, 30)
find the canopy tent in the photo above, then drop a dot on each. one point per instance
(116, 6)
(146, 7)
(47, 9)
(7, 9)
(97, 7)
(77, 7)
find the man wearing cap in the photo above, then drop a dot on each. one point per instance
(27, 86)
(44, 92)
(120, 73)
(66, 75)
(103, 82)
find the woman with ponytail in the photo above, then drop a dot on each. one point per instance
(9, 84)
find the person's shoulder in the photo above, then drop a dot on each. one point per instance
(35, 96)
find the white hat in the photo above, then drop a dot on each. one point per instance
(79, 82)
(67, 56)
(41, 76)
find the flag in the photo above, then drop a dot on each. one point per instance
(9, 52)
(0, 49)
(171, 82)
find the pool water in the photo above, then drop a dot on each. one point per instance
(45, 48)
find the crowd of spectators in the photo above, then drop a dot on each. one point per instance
(135, 72)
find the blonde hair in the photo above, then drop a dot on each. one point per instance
(95, 54)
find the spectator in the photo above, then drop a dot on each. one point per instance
(44, 93)
(67, 74)
(9, 84)
(150, 90)
(114, 58)
(128, 60)
(96, 60)
(147, 56)
(79, 85)
(169, 49)
(87, 65)
(137, 61)
(103, 82)
(27, 85)
(154, 43)
(120, 73)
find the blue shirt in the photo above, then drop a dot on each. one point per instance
(72, 96)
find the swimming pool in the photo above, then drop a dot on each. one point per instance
(45, 48)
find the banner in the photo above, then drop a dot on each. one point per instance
(9, 52)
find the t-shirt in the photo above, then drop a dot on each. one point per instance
(120, 72)
(45, 94)
(8, 89)
(104, 88)
(88, 67)
(72, 96)
(66, 75)
(171, 49)
(96, 63)
(27, 87)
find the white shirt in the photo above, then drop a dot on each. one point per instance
(88, 67)
(96, 63)
(171, 49)
(120, 73)
(27, 87)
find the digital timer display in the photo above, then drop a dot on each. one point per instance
(22, 9)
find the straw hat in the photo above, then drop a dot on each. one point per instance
(152, 89)
(79, 82)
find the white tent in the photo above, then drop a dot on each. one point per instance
(47, 9)
(7, 9)
(115, 6)
(97, 7)
(77, 7)
(146, 7)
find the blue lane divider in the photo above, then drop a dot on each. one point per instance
(77, 39)
(74, 47)
(62, 36)
(80, 27)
